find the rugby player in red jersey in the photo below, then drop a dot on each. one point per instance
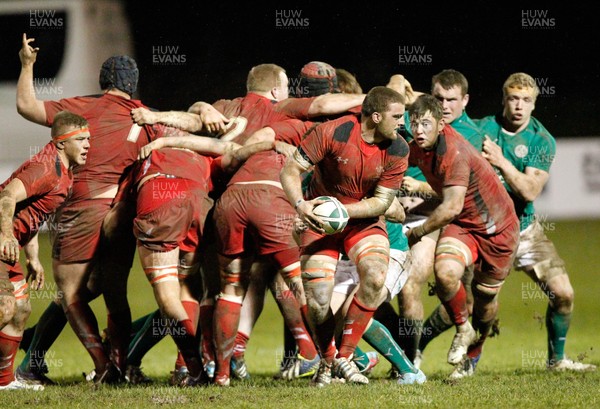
(172, 204)
(479, 220)
(360, 161)
(265, 102)
(116, 141)
(27, 199)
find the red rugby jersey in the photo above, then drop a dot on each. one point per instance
(259, 112)
(455, 162)
(346, 166)
(181, 163)
(48, 183)
(267, 165)
(256, 112)
(114, 140)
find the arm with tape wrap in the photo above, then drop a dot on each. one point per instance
(373, 206)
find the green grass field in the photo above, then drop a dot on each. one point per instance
(511, 373)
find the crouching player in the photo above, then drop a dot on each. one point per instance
(172, 203)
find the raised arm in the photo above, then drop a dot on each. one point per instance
(401, 85)
(28, 106)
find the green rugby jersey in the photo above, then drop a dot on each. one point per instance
(469, 130)
(396, 236)
(532, 147)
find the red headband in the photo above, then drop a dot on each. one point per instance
(65, 136)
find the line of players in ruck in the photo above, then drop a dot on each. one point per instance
(219, 203)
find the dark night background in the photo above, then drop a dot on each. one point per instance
(218, 43)
(221, 42)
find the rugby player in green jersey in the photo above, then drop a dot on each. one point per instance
(522, 151)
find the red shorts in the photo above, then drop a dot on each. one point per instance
(493, 254)
(255, 215)
(170, 213)
(77, 232)
(20, 287)
(332, 245)
(12, 272)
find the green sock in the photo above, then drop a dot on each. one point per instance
(557, 326)
(360, 358)
(409, 331)
(145, 338)
(434, 325)
(380, 338)
(47, 330)
(137, 325)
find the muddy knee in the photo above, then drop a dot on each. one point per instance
(7, 302)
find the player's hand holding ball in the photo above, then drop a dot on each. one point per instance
(332, 213)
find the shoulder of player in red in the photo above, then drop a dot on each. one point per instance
(233, 107)
(326, 135)
(449, 130)
(43, 173)
(355, 110)
(292, 131)
(77, 105)
(294, 107)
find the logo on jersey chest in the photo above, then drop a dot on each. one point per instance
(342, 160)
(521, 151)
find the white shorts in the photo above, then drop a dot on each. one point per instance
(346, 276)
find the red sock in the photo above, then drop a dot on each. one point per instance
(293, 317)
(239, 348)
(324, 333)
(9, 346)
(475, 350)
(457, 306)
(226, 322)
(357, 319)
(84, 324)
(184, 335)
(483, 329)
(192, 309)
(206, 332)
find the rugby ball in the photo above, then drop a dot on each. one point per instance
(333, 213)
